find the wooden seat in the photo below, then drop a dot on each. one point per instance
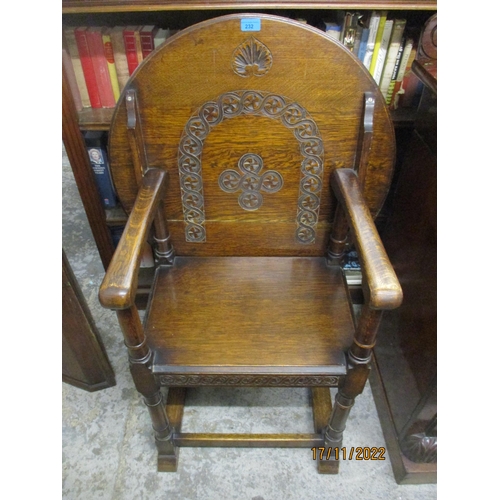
(251, 161)
(262, 310)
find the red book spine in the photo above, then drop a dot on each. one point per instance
(130, 50)
(98, 56)
(88, 67)
(147, 43)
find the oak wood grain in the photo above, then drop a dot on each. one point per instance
(260, 315)
(380, 282)
(120, 283)
(310, 70)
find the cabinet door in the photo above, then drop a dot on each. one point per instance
(84, 360)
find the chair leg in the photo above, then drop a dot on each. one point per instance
(353, 385)
(140, 360)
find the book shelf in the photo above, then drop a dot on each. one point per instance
(178, 14)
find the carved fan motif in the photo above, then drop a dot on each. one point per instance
(251, 58)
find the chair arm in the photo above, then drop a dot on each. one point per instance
(380, 283)
(119, 286)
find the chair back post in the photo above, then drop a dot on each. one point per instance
(164, 250)
(338, 236)
(365, 139)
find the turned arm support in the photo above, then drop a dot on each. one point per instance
(120, 283)
(380, 283)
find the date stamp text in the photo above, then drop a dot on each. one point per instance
(352, 453)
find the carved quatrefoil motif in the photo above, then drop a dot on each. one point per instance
(250, 182)
(252, 57)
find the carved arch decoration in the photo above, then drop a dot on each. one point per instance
(251, 102)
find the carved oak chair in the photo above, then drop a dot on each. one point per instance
(252, 152)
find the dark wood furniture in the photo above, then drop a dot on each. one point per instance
(404, 381)
(85, 363)
(253, 168)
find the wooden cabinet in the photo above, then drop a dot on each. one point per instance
(404, 378)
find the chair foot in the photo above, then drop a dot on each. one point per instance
(167, 463)
(328, 466)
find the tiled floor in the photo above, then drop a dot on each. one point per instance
(109, 451)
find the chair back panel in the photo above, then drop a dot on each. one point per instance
(249, 126)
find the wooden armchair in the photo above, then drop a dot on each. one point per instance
(222, 149)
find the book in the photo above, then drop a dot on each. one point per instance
(96, 49)
(382, 50)
(401, 87)
(349, 29)
(131, 47)
(378, 40)
(372, 35)
(138, 47)
(408, 46)
(392, 53)
(70, 73)
(96, 148)
(147, 35)
(395, 71)
(351, 268)
(110, 59)
(121, 64)
(70, 41)
(357, 36)
(362, 43)
(333, 29)
(87, 67)
(161, 35)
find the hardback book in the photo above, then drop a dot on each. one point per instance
(333, 29)
(110, 59)
(407, 50)
(378, 40)
(96, 149)
(392, 54)
(382, 50)
(70, 73)
(395, 71)
(404, 84)
(161, 35)
(121, 64)
(88, 67)
(372, 35)
(96, 49)
(138, 46)
(147, 35)
(362, 43)
(357, 37)
(349, 29)
(132, 49)
(69, 36)
(351, 268)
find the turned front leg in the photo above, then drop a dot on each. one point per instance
(140, 360)
(359, 357)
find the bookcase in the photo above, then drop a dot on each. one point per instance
(177, 14)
